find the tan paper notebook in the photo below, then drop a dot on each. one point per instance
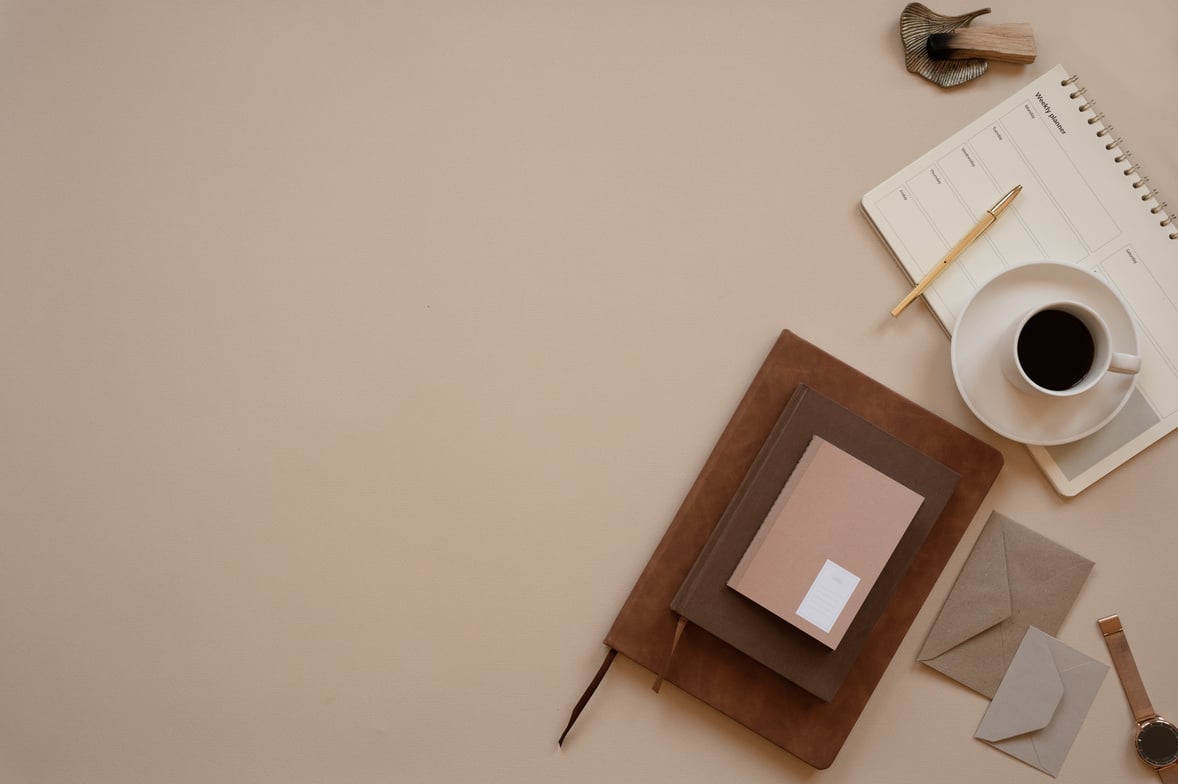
(825, 541)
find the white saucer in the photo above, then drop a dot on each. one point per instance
(975, 347)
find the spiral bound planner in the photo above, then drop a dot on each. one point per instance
(1086, 201)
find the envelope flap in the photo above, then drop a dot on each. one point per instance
(979, 599)
(1045, 578)
(1030, 692)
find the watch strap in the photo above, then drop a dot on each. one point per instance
(1118, 648)
(1169, 774)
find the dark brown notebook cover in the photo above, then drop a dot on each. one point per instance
(705, 598)
(723, 676)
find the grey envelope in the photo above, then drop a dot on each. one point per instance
(1042, 702)
(1014, 578)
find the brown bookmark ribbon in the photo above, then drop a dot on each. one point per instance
(658, 682)
(581, 703)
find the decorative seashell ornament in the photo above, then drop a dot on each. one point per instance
(917, 23)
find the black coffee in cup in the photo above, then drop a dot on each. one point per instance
(1055, 349)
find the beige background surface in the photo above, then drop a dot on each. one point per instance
(357, 354)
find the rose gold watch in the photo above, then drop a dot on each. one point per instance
(1156, 739)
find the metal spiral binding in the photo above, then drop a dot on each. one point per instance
(1123, 155)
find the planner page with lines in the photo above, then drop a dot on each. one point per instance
(1078, 205)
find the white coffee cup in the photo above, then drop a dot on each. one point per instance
(1061, 349)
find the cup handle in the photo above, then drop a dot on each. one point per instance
(1124, 363)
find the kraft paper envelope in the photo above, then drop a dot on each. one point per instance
(1013, 579)
(1042, 702)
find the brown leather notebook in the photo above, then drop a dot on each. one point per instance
(705, 598)
(723, 676)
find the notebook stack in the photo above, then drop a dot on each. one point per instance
(829, 491)
(803, 551)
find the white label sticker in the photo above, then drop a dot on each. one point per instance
(828, 595)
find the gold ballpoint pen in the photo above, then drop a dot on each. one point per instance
(986, 222)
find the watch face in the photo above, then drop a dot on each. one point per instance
(1157, 743)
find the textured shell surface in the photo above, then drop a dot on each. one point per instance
(917, 23)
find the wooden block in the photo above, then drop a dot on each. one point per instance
(1012, 43)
